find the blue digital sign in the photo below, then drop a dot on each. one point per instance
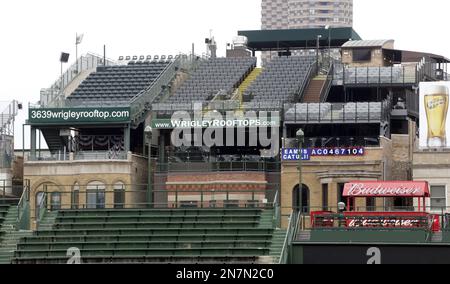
(292, 154)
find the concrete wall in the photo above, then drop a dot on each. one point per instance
(61, 176)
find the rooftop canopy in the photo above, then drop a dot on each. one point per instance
(298, 38)
(368, 43)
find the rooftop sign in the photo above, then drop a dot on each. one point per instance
(66, 116)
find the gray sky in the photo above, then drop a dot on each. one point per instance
(33, 33)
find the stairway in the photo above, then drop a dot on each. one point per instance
(312, 93)
(279, 237)
(250, 79)
(53, 139)
(266, 220)
(9, 237)
(48, 221)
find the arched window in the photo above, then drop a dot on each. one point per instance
(76, 196)
(305, 206)
(119, 195)
(95, 195)
(55, 201)
(40, 204)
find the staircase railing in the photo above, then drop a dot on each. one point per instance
(290, 236)
(301, 91)
(23, 209)
(277, 208)
(54, 96)
(142, 103)
(327, 86)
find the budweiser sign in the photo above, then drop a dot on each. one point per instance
(386, 189)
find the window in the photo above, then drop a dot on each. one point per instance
(76, 196)
(55, 204)
(325, 197)
(119, 195)
(96, 195)
(305, 202)
(362, 54)
(438, 197)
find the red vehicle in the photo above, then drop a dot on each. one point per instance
(393, 189)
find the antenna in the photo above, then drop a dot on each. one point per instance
(211, 46)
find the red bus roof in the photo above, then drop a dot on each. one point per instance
(405, 189)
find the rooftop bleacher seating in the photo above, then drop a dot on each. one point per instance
(211, 77)
(280, 80)
(118, 84)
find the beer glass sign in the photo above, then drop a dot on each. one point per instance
(434, 101)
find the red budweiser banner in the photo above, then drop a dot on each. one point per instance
(387, 189)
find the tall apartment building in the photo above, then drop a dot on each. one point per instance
(297, 14)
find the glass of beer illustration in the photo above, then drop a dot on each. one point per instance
(436, 107)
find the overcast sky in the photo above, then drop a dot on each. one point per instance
(33, 33)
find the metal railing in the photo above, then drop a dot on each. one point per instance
(328, 83)
(243, 166)
(23, 209)
(7, 117)
(79, 156)
(333, 142)
(337, 112)
(312, 71)
(100, 155)
(277, 207)
(142, 103)
(121, 196)
(392, 75)
(283, 259)
(54, 96)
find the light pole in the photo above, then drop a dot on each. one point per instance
(300, 140)
(148, 134)
(317, 52)
(328, 27)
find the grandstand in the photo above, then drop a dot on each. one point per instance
(117, 84)
(154, 236)
(218, 76)
(282, 80)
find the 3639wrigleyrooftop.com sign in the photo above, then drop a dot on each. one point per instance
(79, 115)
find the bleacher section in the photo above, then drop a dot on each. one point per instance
(213, 76)
(281, 79)
(117, 84)
(153, 236)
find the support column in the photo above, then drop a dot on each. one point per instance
(33, 143)
(127, 134)
(162, 146)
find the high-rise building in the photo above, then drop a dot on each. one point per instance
(298, 14)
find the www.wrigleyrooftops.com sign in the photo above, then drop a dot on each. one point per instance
(79, 115)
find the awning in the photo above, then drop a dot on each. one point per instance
(386, 189)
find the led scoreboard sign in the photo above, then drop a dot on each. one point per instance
(292, 154)
(337, 152)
